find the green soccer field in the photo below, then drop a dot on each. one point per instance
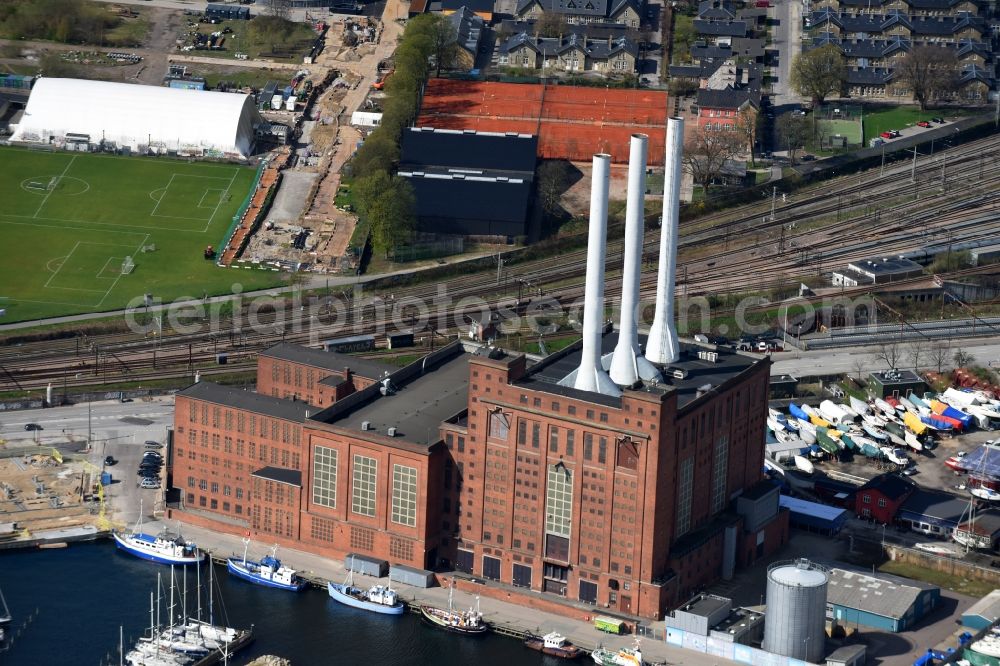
(71, 223)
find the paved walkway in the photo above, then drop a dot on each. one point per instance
(496, 612)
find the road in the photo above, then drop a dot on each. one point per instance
(828, 362)
(787, 37)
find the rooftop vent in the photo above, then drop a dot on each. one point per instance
(391, 432)
(680, 373)
(366, 426)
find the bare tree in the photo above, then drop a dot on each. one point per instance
(889, 353)
(860, 365)
(747, 123)
(706, 153)
(915, 351)
(818, 73)
(278, 8)
(793, 132)
(930, 71)
(551, 24)
(939, 355)
(963, 359)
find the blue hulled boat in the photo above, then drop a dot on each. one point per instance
(378, 599)
(162, 549)
(269, 571)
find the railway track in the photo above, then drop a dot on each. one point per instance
(789, 242)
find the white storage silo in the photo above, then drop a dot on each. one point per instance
(795, 622)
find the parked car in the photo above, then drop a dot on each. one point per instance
(886, 135)
(151, 484)
(939, 121)
(110, 461)
(150, 444)
(152, 454)
(32, 426)
(923, 123)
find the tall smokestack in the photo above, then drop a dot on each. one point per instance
(627, 364)
(590, 376)
(663, 346)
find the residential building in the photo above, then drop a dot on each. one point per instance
(880, 498)
(475, 461)
(625, 12)
(572, 52)
(469, 29)
(469, 183)
(481, 8)
(873, 41)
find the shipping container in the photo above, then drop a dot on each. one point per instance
(609, 625)
(368, 566)
(356, 343)
(411, 576)
(401, 339)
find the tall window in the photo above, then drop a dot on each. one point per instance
(404, 495)
(559, 501)
(684, 497)
(363, 495)
(325, 476)
(499, 425)
(719, 468)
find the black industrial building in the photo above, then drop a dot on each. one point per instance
(470, 183)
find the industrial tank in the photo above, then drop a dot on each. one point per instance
(795, 621)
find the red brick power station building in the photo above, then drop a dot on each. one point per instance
(477, 462)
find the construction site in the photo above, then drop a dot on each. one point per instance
(47, 499)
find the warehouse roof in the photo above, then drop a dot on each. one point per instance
(884, 595)
(328, 360)
(426, 147)
(228, 396)
(988, 607)
(935, 505)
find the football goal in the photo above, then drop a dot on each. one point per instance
(128, 266)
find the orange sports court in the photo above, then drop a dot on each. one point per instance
(572, 122)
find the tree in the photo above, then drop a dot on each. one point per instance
(377, 153)
(747, 123)
(963, 359)
(387, 203)
(706, 153)
(553, 179)
(939, 355)
(860, 364)
(916, 351)
(793, 131)
(889, 353)
(818, 73)
(551, 24)
(930, 71)
(277, 8)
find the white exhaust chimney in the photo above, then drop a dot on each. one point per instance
(590, 376)
(662, 346)
(627, 364)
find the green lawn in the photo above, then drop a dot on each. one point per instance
(69, 220)
(880, 119)
(290, 46)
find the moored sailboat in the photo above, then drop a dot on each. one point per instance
(378, 599)
(469, 623)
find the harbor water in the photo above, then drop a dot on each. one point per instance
(67, 605)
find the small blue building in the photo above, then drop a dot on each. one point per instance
(884, 602)
(812, 516)
(983, 613)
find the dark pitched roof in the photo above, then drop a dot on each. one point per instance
(728, 98)
(328, 360)
(427, 149)
(603, 8)
(292, 477)
(598, 49)
(872, 76)
(876, 24)
(279, 408)
(468, 28)
(721, 29)
(943, 507)
(892, 486)
(716, 10)
(483, 6)
(593, 30)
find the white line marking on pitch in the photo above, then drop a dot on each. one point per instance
(115, 283)
(222, 196)
(165, 191)
(72, 159)
(66, 259)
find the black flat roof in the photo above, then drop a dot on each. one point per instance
(459, 149)
(318, 358)
(417, 407)
(292, 477)
(279, 408)
(699, 372)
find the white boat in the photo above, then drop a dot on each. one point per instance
(790, 424)
(807, 432)
(848, 409)
(874, 433)
(884, 407)
(803, 464)
(775, 425)
(984, 493)
(620, 657)
(774, 413)
(959, 399)
(810, 411)
(897, 456)
(874, 421)
(913, 441)
(860, 407)
(163, 548)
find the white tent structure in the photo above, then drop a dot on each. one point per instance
(137, 116)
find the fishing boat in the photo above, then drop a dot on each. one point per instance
(378, 599)
(468, 623)
(164, 548)
(554, 644)
(621, 657)
(269, 571)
